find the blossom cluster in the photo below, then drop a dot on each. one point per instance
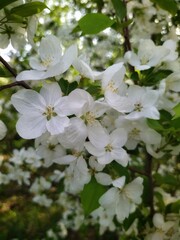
(89, 135)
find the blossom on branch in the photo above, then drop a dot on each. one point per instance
(51, 61)
(40, 112)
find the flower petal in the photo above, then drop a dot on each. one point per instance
(31, 127)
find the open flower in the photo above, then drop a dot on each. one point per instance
(109, 148)
(148, 55)
(51, 63)
(121, 199)
(40, 112)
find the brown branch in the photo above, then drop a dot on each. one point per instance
(10, 85)
(148, 169)
(127, 43)
(134, 170)
(11, 70)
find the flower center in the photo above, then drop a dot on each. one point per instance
(134, 133)
(108, 148)
(49, 113)
(111, 87)
(89, 118)
(138, 107)
(46, 62)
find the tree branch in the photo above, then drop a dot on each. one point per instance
(148, 169)
(11, 70)
(134, 170)
(127, 43)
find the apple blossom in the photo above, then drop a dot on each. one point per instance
(137, 131)
(121, 199)
(40, 112)
(110, 147)
(76, 176)
(149, 55)
(51, 63)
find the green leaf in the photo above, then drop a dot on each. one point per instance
(173, 207)
(177, 111)
(66, 86)
(167, 179)
(119, 8)
(150, 78)
(155, 124)
(28, 9)
(4, 3)
(4, 72)
(93, 23)
(90, 196)
(168, 5)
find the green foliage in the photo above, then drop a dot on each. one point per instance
(4, 3)
(173, 207)
(177, 111)
(168, 5)
(167, 179)
(4, 72)
(66, 86)
(152, 77)
(93, 23)
(119, 8)
(90, 196)
(28, 9)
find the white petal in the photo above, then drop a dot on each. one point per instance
(99, 108)
(158, 220)
(31, 127)
(80, 101)
(95, 165)
(120, 156)
(119, 182)
(51, 92)
(50, 49)
(151, 112)
(98, 135)
(108, 198)
(132, 58)
(69, 56)
(75, 134)
(30, 75)
(134, 190)
(28, 102)
(36, 64)
(150, 98)
(57, 124)
(121, 104)
(83, 68)
(113, 73)
(3, 130)
(150, 136)
(118, 138)
(105, 158)
(93, 150)
(65, 159)
(103, 178)
(123, 207)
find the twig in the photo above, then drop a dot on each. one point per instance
(138, 171)
(10, 85)
(127, 43)
(11, 70)
(148, 169)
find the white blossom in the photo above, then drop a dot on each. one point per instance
(40, 112)
(51, 63)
